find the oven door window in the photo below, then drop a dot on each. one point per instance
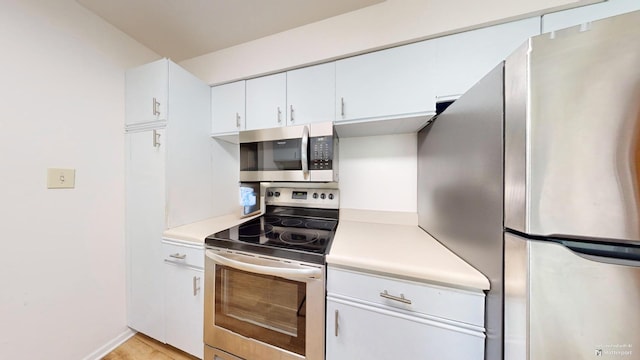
(262, 307)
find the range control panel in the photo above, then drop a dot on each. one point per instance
(312, 198)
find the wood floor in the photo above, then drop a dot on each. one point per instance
(142, 347)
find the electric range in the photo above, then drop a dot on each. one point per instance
(298, 224)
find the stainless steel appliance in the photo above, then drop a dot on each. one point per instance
(265, 279)
(292, 153)
(533, 177)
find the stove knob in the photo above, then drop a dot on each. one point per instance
(322, 196)
(270, 193)
(277, 193)
(315, 195)
(330, 196)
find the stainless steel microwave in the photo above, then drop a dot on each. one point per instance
(292, 153)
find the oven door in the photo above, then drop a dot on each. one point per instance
(263, 308)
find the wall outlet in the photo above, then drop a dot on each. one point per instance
(61, 178)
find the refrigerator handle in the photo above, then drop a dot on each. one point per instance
(604, 253)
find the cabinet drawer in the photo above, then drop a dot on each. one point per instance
(433, 300)
(183, 254)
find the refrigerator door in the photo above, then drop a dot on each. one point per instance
(572, 161)
(571, 307)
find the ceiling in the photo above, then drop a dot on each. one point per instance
(182, 29)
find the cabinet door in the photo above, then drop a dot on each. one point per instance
(145, 217)
(389, 83)
(358, 331)
(311, 94)
(572, 17)
(464, 58)
(228, 108)
(146, 92)
(184, 308)
(266, 101)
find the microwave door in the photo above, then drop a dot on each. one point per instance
(280, 154)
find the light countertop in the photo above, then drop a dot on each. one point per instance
(198, 231)
(366, 241)
(381, 242)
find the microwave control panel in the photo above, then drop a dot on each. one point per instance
(321, 153)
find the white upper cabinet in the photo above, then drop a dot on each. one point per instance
(392, 83)
(464, 58)
(572, 17)
(146, 93)
(311, 94)
(228, 108)
(266, 102)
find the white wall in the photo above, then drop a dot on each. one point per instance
(62, 269)
(391, 22)
(379, 172)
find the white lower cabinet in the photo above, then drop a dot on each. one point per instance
(376, 317)
(184, 297)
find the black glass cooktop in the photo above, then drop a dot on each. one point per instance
(292, 233)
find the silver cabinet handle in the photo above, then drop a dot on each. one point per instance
(238, 120)
(304, 151)
(178, 256)
(196, 285)
(342, 106)
(336, 324)
(156, 106)
(401, 299)
(279, 115)
(156, 138)
(291, 111)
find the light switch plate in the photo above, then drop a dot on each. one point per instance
(61, 178)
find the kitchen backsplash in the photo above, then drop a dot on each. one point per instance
(379, 172)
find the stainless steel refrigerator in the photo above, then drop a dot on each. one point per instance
(533, 177)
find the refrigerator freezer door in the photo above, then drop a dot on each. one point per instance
(572, 161)
(571, 307)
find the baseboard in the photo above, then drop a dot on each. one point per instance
(111, 345)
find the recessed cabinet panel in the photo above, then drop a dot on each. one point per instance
(146, 92)
(266, 102)
(390, 83)
(464, 58)
(311, 94)
(228, 108)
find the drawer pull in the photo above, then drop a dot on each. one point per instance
(401, 299)
(178, 256)
(336, 324)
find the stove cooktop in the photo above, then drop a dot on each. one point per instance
(283, 233)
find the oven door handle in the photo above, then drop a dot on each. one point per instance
(288, 273)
